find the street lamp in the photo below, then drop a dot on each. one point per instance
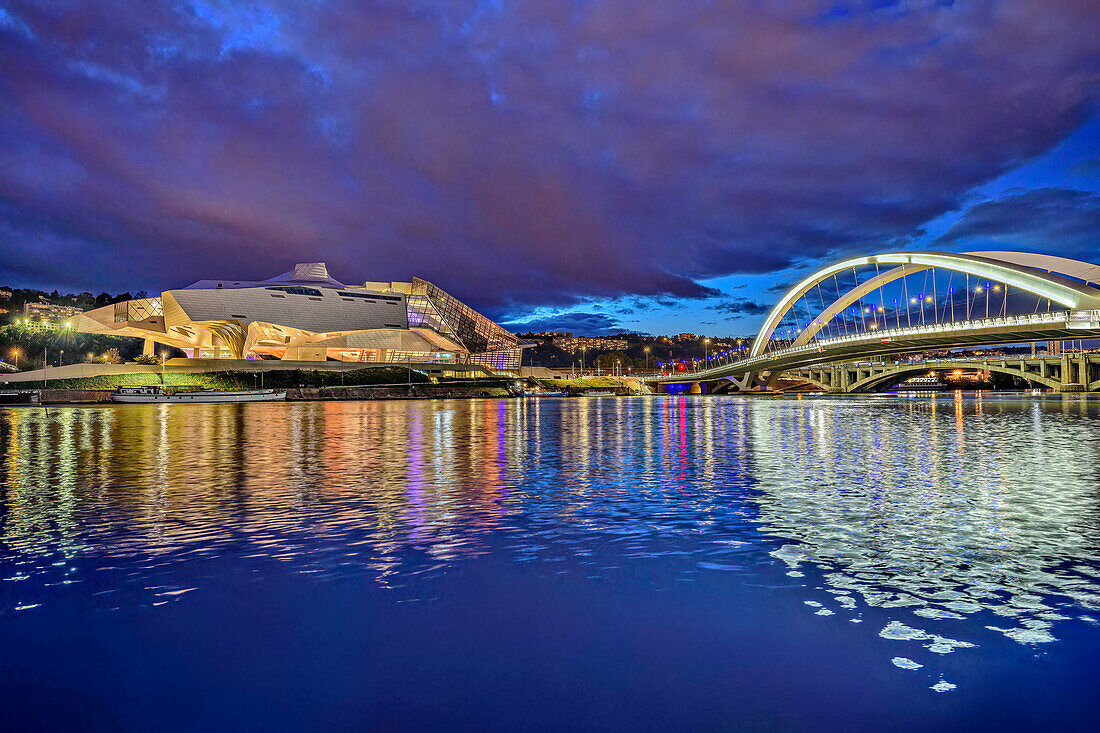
(15, 357)
(646, 350)
(706, 348)
(61, 358)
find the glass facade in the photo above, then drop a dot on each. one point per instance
(138, 310)
(487, 343)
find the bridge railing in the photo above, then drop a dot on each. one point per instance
(822, 345)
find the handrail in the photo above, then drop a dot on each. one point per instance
(762, 360)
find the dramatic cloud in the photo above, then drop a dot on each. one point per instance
(519, 153)
(1056, 220)
(733, 307)
(585, 324)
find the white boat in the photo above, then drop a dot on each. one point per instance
(921, 384)
(142, 395)
(598, 393)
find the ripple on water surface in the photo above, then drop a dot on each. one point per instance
(939, 519)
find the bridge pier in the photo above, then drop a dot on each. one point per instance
(1066, 372)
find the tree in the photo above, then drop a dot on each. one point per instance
(111, 356)
(611, 358)
(146, 359)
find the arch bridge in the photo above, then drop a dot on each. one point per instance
(1068, 372)
(861, 308)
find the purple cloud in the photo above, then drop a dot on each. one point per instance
(519, 154)
(1057, 220)
(580, 323)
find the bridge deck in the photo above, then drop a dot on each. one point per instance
(1056, 326)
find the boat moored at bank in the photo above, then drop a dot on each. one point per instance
(20, 397)
(154, 393)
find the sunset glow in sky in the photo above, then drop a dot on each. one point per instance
(592, 166)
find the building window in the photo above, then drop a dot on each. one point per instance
(295, 290)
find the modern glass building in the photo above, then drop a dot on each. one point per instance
(306, 315)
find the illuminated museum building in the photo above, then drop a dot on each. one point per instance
(306, 315)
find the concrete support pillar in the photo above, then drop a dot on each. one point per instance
(149, 348)
(1070, 379)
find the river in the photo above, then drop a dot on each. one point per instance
(824, 563)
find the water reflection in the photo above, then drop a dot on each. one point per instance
(939, 509)
(936, 519)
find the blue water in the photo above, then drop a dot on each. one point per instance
(708, 563)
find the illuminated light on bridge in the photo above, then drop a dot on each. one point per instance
(908, 302)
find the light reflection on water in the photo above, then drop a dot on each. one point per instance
(946, 522)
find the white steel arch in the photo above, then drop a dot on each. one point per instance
(1042, 275)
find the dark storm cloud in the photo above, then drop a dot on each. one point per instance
(1089, 167)
(732, 307)
(1055, 220)
(779, 287)
(519, 153)
(582, 324)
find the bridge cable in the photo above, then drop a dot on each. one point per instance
(862, 310)
(935, 298)
(836, 283)
(950, 296)
(922, 294)
(905, 289)
(822, 299)
(881, 300)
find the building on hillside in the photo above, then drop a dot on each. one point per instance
(5, 295)
(306, 315)
(49, 311)
(573, 344)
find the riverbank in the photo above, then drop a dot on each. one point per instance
(392, 383)
(621, 386)
(361, 384)
(298, 394)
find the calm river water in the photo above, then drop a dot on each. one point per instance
(602, 563)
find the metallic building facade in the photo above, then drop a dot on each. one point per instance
(306, 315)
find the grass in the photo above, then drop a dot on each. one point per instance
(589, 382)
